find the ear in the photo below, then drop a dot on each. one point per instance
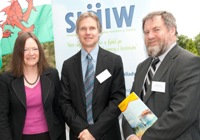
(77, 36)
(99, 35)
(173, 30)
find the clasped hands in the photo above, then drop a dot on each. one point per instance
(86, 135)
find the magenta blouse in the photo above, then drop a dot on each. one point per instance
(35, 122)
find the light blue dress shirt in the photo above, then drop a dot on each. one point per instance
(84, 61)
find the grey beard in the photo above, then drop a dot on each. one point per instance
(156, 51)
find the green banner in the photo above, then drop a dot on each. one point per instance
(39, 22)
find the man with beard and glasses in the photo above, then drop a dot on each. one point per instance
(172, 93)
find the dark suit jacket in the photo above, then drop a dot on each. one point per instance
(178, 108)
(106, 96)
(13, 105)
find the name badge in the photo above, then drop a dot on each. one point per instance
(103, 76)
(158, 86)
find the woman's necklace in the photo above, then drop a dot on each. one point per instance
(33, 82)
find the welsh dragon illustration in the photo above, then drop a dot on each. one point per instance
(15, 17)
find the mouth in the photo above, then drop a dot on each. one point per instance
(88, 38)
(31, 59)
(152, 43)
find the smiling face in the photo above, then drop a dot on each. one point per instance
(157, 36)
(31, 53)
(88, 33)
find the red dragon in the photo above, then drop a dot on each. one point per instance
(15, 16)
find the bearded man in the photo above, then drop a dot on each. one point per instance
(171, 87)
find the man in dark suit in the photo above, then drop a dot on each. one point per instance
(108, 88)
(173, 94)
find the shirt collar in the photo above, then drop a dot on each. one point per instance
(161, 57)
(93, 53)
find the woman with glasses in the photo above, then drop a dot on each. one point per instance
(29, 93)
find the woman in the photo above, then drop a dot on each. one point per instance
(29, 93)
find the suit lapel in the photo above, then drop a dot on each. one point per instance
(18, 87)
(166, 63)
(99, 67)
(168, 60)
(45, 86)
(142, 75)
(78, 73)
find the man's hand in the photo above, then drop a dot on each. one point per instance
(86, 135)
(134, 137)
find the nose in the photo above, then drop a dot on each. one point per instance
(150, 35)
(31, 51)
(88, 31)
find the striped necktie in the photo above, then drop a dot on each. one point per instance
(149, 75)
(89, 85)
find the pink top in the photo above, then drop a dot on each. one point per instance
(35, 119)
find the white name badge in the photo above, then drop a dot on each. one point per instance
(103, 76)
(158, 86)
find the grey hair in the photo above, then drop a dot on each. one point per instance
(167, 17)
